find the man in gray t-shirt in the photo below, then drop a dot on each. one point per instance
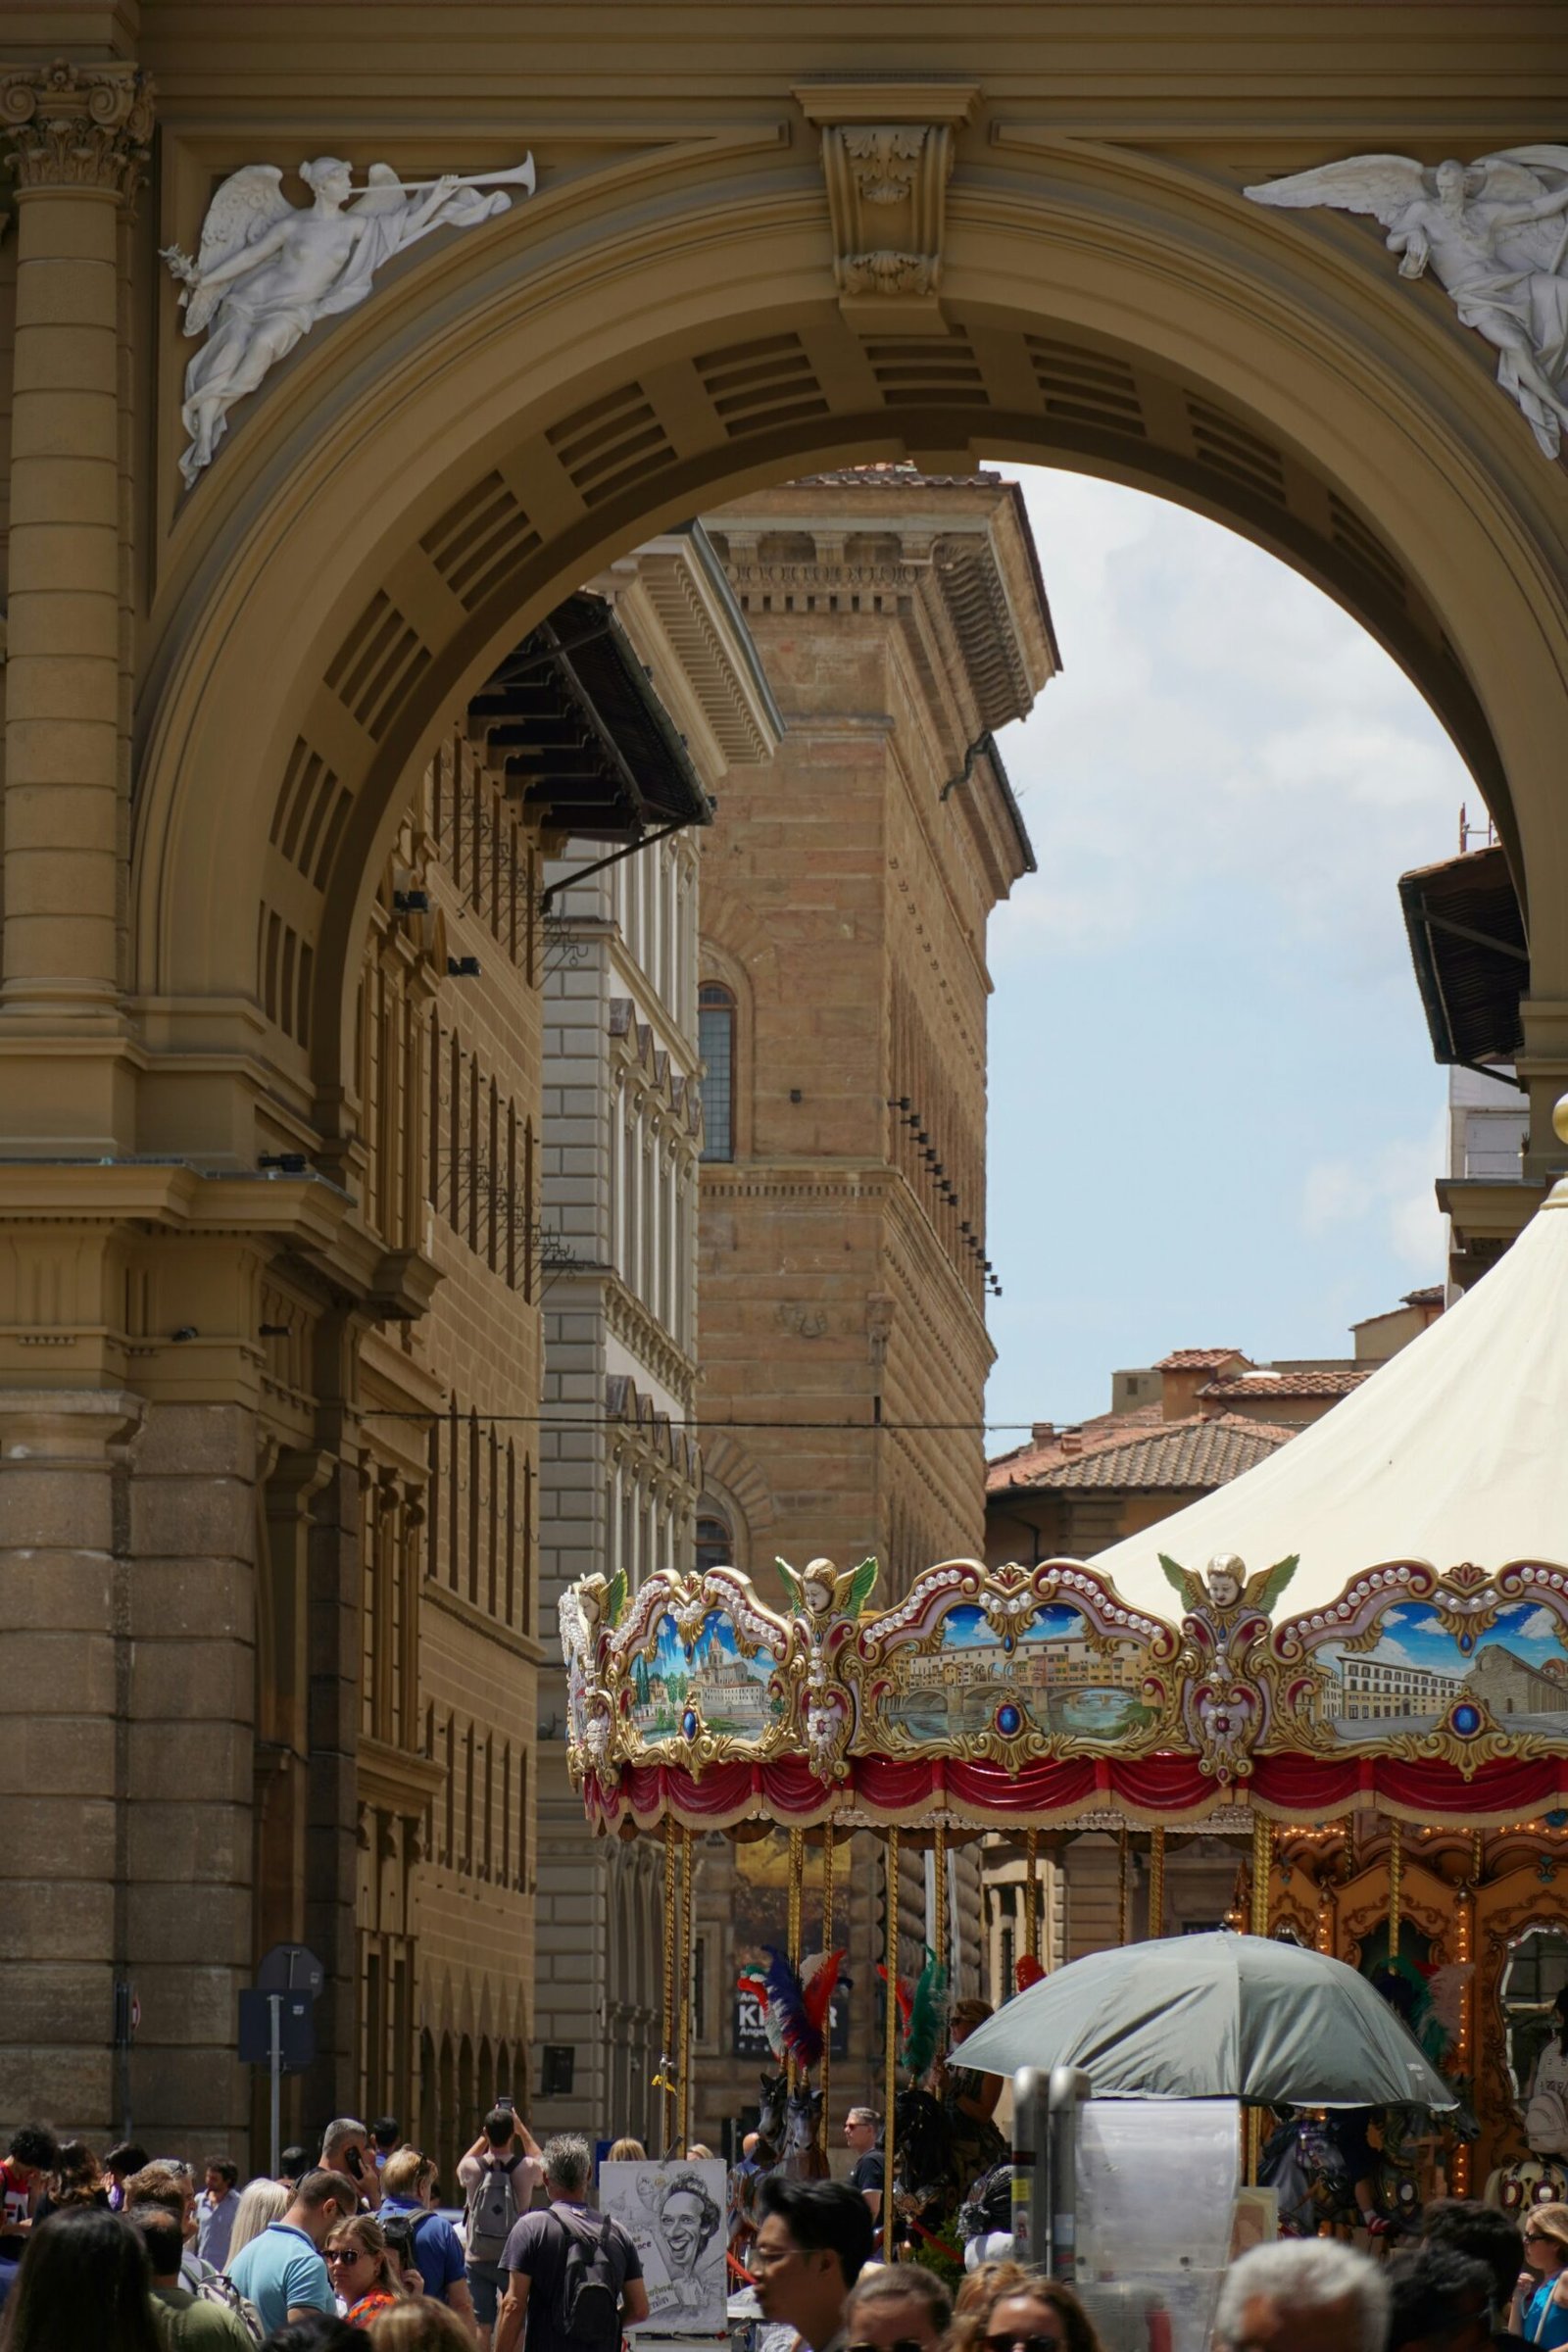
(536, 2254)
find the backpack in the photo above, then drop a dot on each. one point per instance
(492, 2209)
(222, 2291)
(587, 2309)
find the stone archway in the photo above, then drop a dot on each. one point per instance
(679, 315)
(1136, 322)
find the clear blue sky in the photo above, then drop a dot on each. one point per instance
(1215, 1119)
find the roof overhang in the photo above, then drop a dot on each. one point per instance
(573, 722)
(1471, 956)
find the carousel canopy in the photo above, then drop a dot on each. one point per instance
(1454, 1452)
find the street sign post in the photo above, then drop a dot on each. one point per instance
(277, 2022)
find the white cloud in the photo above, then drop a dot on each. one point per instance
(1216, 718)
(1392, 1186)
(1212, 1098)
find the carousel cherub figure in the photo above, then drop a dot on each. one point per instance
(820, 1591)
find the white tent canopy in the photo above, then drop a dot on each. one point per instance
(1455, 1449)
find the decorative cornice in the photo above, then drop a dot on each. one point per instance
(77, 126)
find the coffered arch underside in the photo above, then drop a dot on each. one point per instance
(488, 548)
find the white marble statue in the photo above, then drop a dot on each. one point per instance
(1494, 233)
(267, 269)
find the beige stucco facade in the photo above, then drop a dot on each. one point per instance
(682, 316)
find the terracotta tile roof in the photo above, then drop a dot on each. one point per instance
(1258, 1382)
(1194, 1359)
(1024, 1464)
(1432, 1295)
(1200, 1451)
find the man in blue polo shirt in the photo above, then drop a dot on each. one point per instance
(406, 2178)
(282, 2271)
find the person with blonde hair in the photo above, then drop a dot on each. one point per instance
(626, 2151)
(418, 2324)
(363, 2269)
(979, 2290)
(260, 2202)
(1541, 2298)
(407, 2179)
(1040, 2313)
(891, 2307)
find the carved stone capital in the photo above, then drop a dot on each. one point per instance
(887, 157)
(77, 126)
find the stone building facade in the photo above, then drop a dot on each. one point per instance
(902, 620)
(620, 1472)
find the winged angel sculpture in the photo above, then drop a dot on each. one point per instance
(267, 269)
(1493, 236)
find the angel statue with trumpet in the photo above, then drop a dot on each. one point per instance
(267, 269)
(1495, 235)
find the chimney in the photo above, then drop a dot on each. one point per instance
(1041, 1432)
(1072, 1441)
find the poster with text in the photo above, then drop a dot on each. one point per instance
(674, 2211)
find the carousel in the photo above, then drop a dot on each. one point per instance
(1353, 1660)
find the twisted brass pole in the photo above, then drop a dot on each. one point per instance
(685, 2110)
(667, 2057)
(827, 1947)
(890, 2055)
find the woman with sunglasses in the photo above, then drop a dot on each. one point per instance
(904, 2309)
(363, 2269)
(1541, 2299)
(1040, 2317)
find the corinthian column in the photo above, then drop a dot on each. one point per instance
(76, 140)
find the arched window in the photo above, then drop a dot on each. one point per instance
(715, 1545)
(715, 1042)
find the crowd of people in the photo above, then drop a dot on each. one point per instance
(126, 2253)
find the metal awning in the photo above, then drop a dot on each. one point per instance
(573, 720)
(1471, 956)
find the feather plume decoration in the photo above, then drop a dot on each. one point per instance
(785, 1999)
(818, 1978)
(900, 1994)
(1027, 1971)
(754, 1982)
(928, 2016)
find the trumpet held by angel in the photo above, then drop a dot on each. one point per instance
(1495, 235)
(267, 269)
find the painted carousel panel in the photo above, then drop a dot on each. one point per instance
(703, 1677)
(1054, 1674)
(1411, 1662)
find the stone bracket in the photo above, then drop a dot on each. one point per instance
(887, 157)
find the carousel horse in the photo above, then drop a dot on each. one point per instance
(802, 2157)
(1309, 2175)
(1528, 2180)
(925, 2180)
(770, 2109)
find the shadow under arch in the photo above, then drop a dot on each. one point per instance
(394, 594)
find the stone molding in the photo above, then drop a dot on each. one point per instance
(58, 1428)
(887, 157)
(77, 126)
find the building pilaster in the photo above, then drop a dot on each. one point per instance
(65, 1665)
(76, 141)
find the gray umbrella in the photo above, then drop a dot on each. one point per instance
(1214, 2017)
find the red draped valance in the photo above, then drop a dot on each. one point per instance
(1152, 1791)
